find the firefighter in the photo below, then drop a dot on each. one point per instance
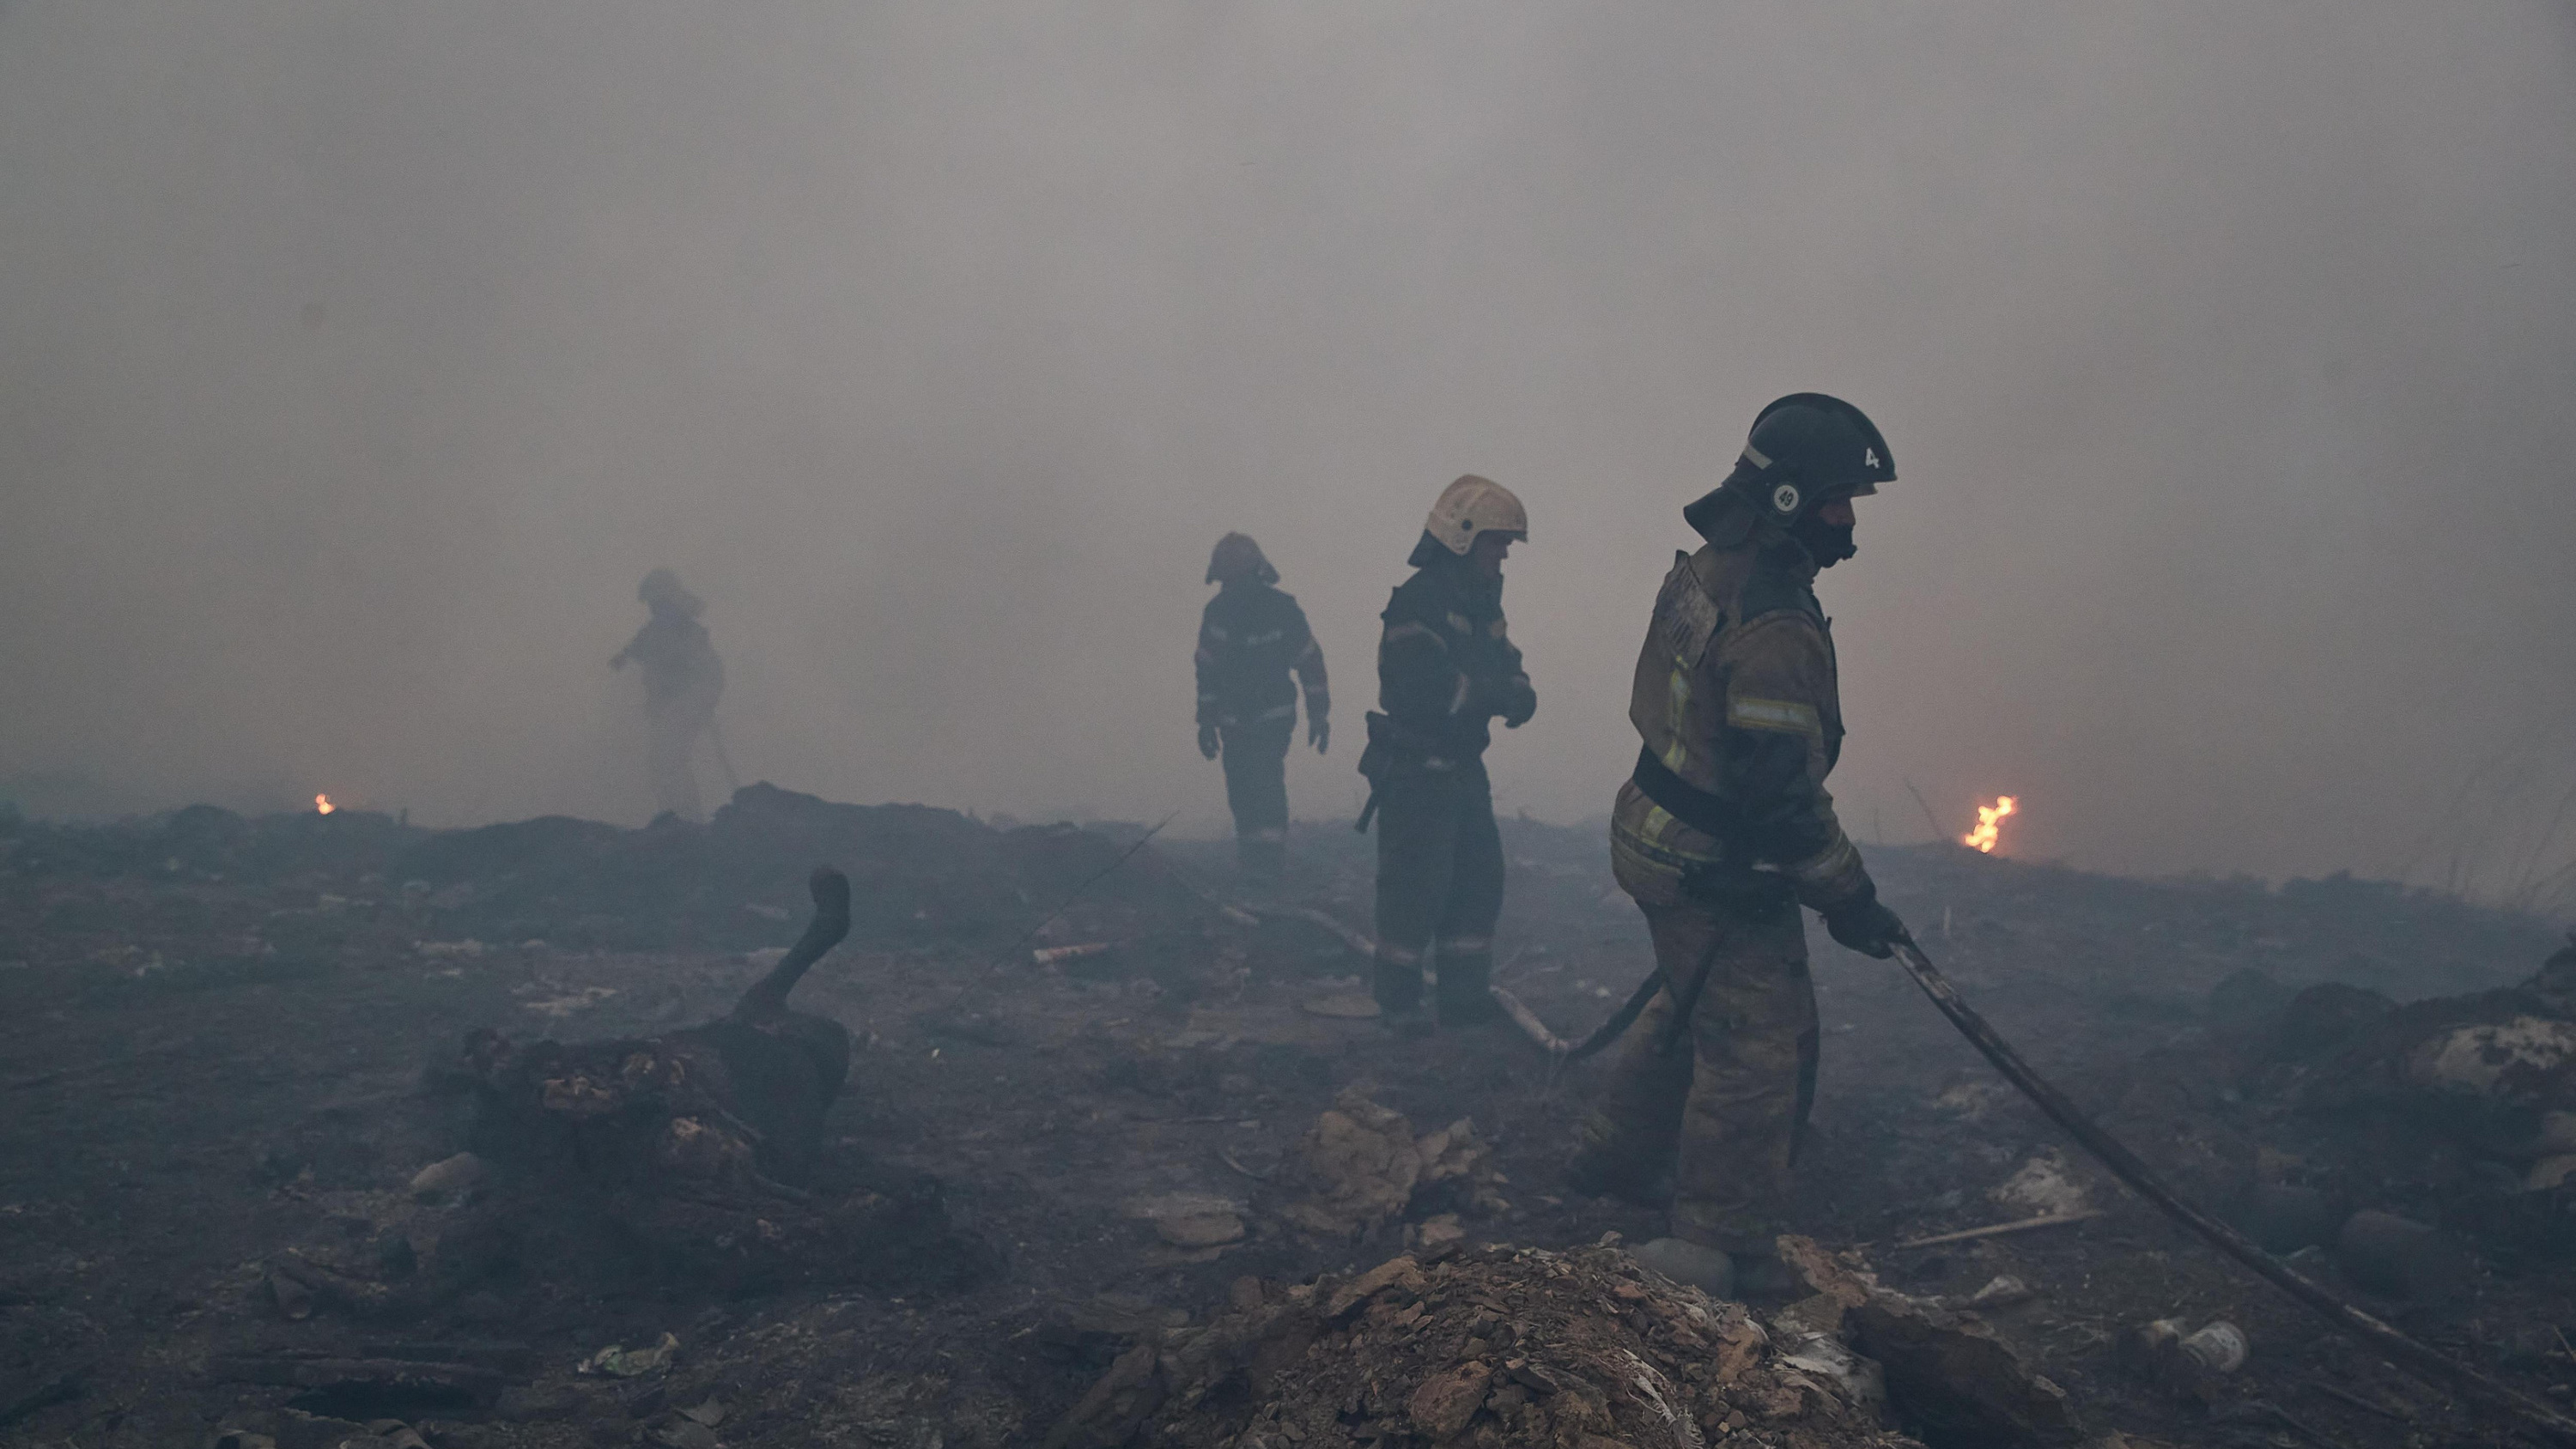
(1251, 637)
(1445, 668)
(683, 679)
(1721, 833)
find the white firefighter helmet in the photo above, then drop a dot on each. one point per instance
(1471, 506)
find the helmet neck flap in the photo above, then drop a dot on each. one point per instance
(1806, 450)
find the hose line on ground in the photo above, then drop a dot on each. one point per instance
(2126, 1166)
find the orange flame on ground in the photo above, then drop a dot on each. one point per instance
(322, 805)
(1989, 824)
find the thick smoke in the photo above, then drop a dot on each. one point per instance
(362, 358)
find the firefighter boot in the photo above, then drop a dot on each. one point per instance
(1398, 988)
(1466, 991)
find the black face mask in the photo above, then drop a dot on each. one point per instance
(1824, 543)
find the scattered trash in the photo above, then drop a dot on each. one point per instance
(1493, 1345)
(1975, 1097)
(1342, 1006)
(1435, 1235)
(566, 1001)
(1946, 1373)
(2218, 1347)
(452, 1174)
(1861, 1381)
(1997, 1230)
(1188, 1219)
(1052, 955)
(618, 1361)
(1363, 1166)
(2003, 1291)
(1361, 1160)
(2043, 1187)
(2186, 1362)
(2494, 1058)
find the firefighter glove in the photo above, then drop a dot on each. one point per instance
(1207, 741)
(1864, 925)
(1319, 732)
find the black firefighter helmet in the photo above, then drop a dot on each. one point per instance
(1805, 451)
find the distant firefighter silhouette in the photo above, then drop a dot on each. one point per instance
(1251, 638)
(683, 679)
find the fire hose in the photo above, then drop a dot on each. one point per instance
(2125, 1165)
(2113, 1154)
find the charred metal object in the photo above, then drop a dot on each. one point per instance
(703, 1148)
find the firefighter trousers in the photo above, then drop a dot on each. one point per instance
(1723, 1100)
(1439, 888)
(1256, 789)
(672, 730)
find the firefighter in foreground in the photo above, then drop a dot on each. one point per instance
(1721, 834)
(1250, 638)
(683, 679)
(1445, 668)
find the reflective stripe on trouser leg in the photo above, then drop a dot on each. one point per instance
(1256, 774)
(1416, 858)
(1256, 788)
(1465, 980)
(1473, 902)
(1397, 982)
(1753, 1046)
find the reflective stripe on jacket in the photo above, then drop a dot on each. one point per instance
(1735, 696)
(1251, 636)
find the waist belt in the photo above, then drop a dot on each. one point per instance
(1684, 801)
(1711, 816)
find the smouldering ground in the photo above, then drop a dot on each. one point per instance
(198, 1072)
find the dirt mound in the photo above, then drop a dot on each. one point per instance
(208, 841)
(918, 875)
(1581, 1349)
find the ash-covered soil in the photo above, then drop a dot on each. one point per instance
(227, 1041)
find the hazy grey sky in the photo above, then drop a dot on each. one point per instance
(360, 358)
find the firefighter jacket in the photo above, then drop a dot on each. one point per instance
(1250, 637)
(679, 659)
(1445, 666)
(1735, 698)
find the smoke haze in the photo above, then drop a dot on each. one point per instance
(362, 357)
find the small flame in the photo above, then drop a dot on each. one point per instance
(322, 805)
(1989, 824)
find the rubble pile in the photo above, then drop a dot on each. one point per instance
(1580, 1349)
(2457, 1112)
